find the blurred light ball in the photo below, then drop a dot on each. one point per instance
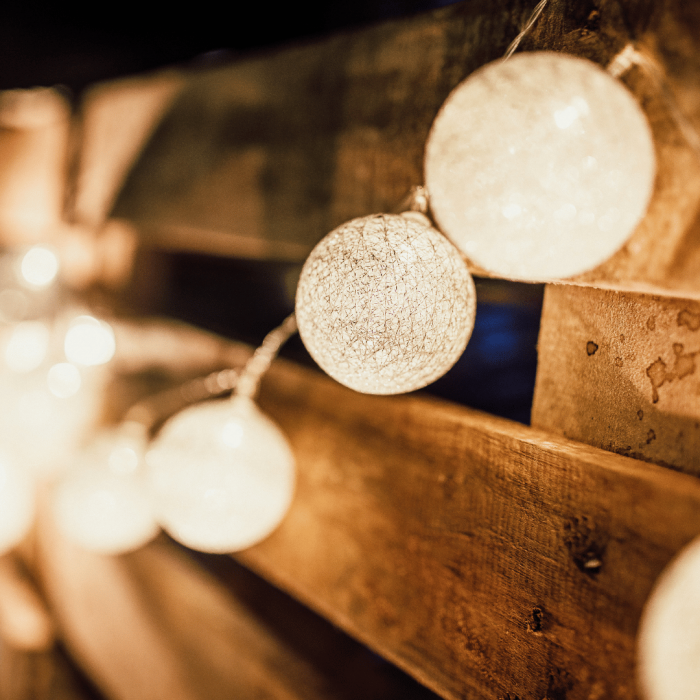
(89, 342)
(64, 380)
(27, 346)
(40, 428)
(39, 267)
(669, 633)
(222, 475)
(16, 504)
(540, 167)
(385, 304)
(103, 503)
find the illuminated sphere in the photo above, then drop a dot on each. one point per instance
(669, 633)
(103, 504)
(385, 304)
(16, 504)
(539, 167)
(221, 475)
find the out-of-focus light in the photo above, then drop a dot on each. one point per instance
(16, 504)
(40, 428)
(39, 266)
(221, 475)
(63, 380)
(89, 342)
(27, 346)
(103, 504)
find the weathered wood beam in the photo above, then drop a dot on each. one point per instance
(486, 558)
(264, 156)
(618, 371)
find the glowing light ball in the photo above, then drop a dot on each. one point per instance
(385, 304)
(103, 504)
(39, 267)
(221, 475)
(668, 647)
(27, 346)
(16, 504)
(89, 342)
(45, 415)
(539, 167)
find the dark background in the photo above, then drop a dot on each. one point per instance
(44, 43)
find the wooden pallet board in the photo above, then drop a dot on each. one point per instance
(263, 157)
(486, 558)
(618, 371)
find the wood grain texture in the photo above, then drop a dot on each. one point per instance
(488, 559)
(618, 371)
(154, 624)
(263, 157)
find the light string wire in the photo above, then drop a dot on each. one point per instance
(259, 363)
(245, 381)
(152, 410)
(525, 30)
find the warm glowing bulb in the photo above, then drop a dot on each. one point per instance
(540, 167)
(222, 475)
(64, 380)
(27, 346)
(103, 504)
(385, 304)
(89, 342)
(16, 504)
(39, 422)
(39, 266)
(669, 632)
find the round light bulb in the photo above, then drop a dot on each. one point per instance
(668, 646)
(385, 304)
(16, 504)
(41, 423)
(39, 267)
(539, 167)
(89, 342)
(103, 504)
(64, 380)
(27, 346)
(221, 475)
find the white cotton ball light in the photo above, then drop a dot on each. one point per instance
(16, 503)
(222, 475)
(539, 167)
(103, 504)
(385, 304)
(668, 647)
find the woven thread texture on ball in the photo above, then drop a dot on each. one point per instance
(385, 305)
(540, 167)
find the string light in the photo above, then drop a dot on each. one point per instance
(221, 472)
(39, 267)
(222, 475)
(385, 304)
(669, 633)
(102, 504)
(539, 167)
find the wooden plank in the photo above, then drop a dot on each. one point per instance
(617, 370)
(263, 157)
(486, 558)
(40, 676)
(116, 120)
(155, 625)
